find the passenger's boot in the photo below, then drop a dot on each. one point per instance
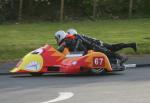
(133, 46)
(117, 47)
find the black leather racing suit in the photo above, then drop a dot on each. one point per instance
(97, 45)
(94, 44)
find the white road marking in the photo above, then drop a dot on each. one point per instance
(62, 96)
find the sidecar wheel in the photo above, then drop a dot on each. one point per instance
(99, 71)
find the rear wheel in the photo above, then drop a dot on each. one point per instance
(99, 71)
(36, 74)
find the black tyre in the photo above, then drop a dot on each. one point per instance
(36, 74)
(98, 71)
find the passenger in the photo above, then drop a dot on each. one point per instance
(77, 42)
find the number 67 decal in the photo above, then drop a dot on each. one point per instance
(98, 61)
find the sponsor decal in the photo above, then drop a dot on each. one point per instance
(33, 66)
(98, 61)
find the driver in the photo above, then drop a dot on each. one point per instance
(69, 41)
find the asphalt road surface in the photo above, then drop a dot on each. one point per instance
(130, 86)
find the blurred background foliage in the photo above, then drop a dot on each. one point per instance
(49, 10)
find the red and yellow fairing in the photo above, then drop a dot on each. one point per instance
(30, 63)
(35, 62)
(98, 60)
(93, 60)
(47, 57)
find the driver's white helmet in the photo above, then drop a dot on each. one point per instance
(72, 31)
(60, 35)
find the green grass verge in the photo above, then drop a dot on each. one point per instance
(18, 39)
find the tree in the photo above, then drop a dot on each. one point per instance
(20, 10)
(130, 8)
(62, 10)
(94, 8)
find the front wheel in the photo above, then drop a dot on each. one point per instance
(36, 74)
